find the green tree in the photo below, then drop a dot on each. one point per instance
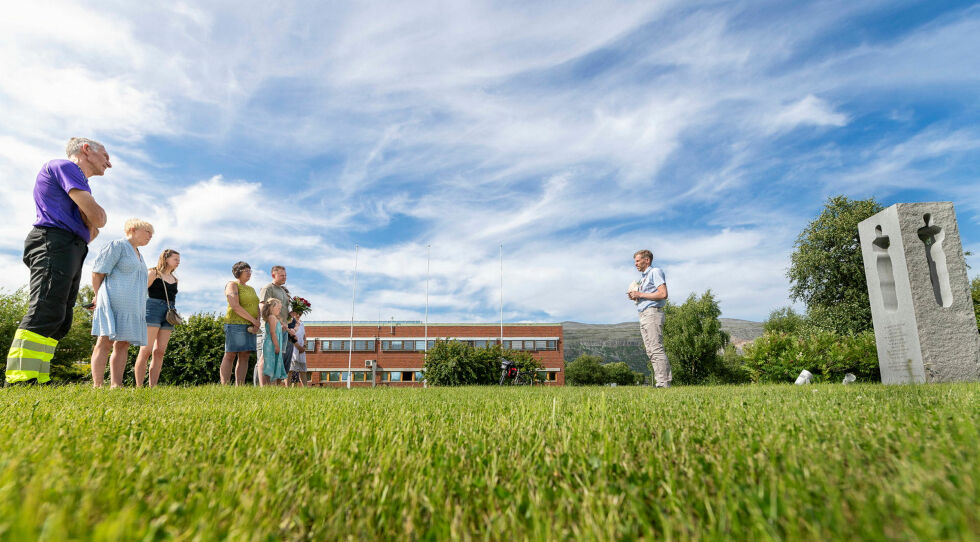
(693, 339)
(585, 370)
(488, 359)
(618, 373)
(784, 320)
(827, 270)
(453, 363)
(450, 363)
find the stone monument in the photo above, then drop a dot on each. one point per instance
(925, 328)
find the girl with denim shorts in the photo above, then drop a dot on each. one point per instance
(162, 296)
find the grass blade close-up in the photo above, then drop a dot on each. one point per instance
(749, 462)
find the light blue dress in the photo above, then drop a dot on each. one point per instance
(274, 368)
(120, 309)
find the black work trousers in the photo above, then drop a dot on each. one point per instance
(55, 257)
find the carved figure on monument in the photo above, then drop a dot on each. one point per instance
(925, 327)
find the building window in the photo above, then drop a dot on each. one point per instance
(407, 376)
(334, 346)
(360, 376)
(402, 346)
(324, 377)
(310, 345)
(548, 376)
(340, 345)
(364, 345)
(334, 376)
(393, 376)
(541, 345)
(419, 376)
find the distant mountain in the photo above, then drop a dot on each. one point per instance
(622, 342)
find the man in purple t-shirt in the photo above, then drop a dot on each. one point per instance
(68, 219)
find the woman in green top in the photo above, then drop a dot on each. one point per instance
(241, 323)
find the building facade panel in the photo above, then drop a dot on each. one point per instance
(396, 350)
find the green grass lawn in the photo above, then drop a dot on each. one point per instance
(755, 462)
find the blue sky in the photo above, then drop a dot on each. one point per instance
(571, 133)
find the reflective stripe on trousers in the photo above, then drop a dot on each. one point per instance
(30, 357)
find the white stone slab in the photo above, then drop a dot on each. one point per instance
(923, 316)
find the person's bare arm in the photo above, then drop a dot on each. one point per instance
(272, 324)
(97, 280)
(93, 215)
(91, 210)
(231, 294)
(150, 277)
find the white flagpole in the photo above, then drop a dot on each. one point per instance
(350, 344)
(428, 251)
(501, 296)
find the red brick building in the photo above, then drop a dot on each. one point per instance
(392, 353)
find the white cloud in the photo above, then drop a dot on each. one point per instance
(571, 133)
(810, 110)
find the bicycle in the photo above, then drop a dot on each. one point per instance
(510, 371)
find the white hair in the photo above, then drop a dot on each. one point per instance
(75, 145)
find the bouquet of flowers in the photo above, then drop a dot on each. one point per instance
(301, 305)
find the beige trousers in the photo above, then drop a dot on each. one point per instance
(652, 330)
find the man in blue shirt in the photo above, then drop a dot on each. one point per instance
(650, 297)
(68, 219)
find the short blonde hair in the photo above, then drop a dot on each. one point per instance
(134, 224)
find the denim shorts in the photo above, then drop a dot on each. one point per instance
(156, 313)
(238, 339)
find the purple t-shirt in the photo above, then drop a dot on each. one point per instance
(54, 207)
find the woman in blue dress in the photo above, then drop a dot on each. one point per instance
(119, 278)
(272, 347)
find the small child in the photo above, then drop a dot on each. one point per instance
(272, 350)
(297, 367)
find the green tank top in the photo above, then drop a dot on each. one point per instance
(249, 301)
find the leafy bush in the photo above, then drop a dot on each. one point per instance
(693, 338)
(784, 320)
(193, 355)
(452, 363)
(732, 369)
(779, 357)
(618, 373)
(585, 370)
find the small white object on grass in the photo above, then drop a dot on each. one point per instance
(804, 377)
(849, 378)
